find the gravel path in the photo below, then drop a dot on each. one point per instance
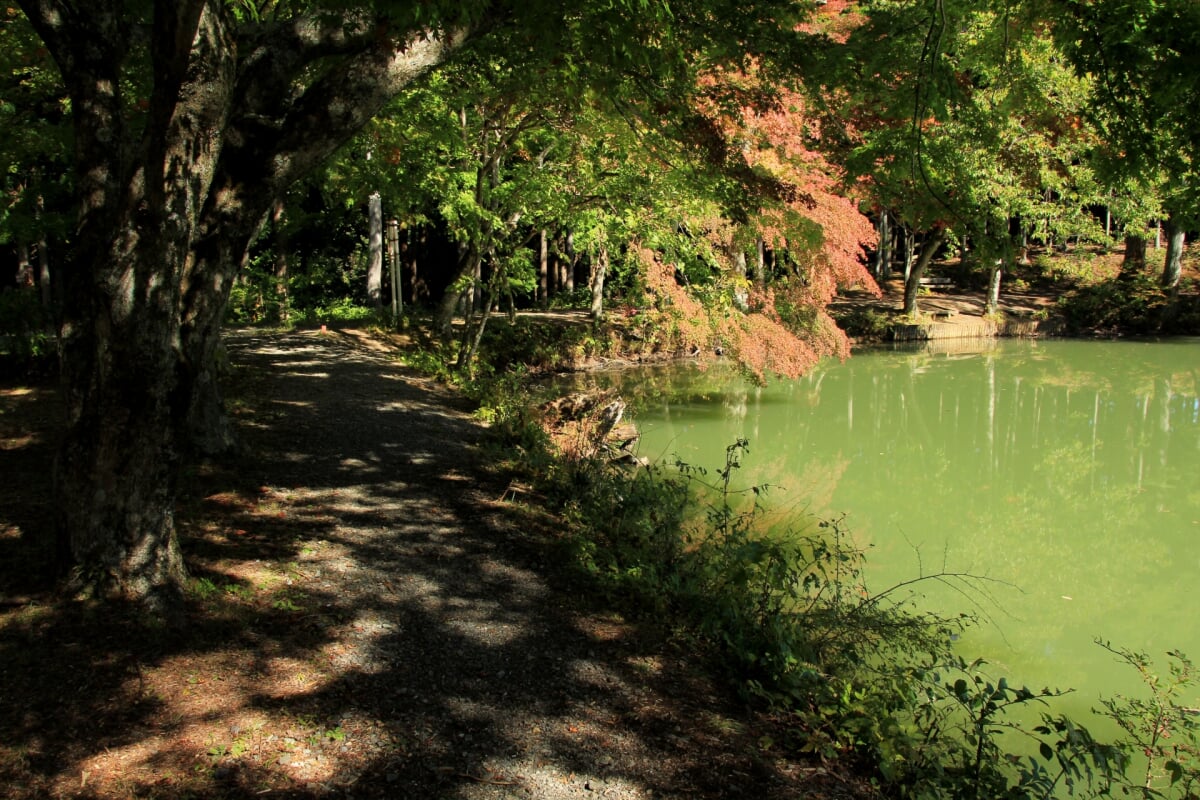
(461, 658)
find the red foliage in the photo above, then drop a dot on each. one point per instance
(811, 215)
(758, 339)
(786, 148)
(836, 19)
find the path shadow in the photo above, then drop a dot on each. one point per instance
(371, 621)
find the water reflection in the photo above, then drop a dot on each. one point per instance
(1065, 469)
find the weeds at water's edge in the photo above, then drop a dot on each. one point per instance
(862, 679)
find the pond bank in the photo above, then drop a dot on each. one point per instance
(377, 610)
(947, 312)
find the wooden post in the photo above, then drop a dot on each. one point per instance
(393, 237)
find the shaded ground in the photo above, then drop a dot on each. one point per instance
(950, 304)
(1033, 292)
(371, 616)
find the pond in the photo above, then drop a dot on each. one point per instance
(1065, 475)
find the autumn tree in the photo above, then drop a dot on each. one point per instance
(621, 169)
(963, 124)
(189, 119)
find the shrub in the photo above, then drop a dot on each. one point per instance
(1163, 728)
(1116, 306)
(866, 323)
(26, 337)
(788, 615)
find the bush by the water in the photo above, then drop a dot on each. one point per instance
(1134, 305)
(863, 677)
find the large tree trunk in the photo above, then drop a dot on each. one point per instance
(115, 478)
(1134, 262)
(912, 282)
(169, 202)
(1173, 263)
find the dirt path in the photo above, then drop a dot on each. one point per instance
(947, 302)
(371, 619)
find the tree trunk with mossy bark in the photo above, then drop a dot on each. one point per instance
(1173, 262)
(1134, 261)
(171, 191)
(912, 283)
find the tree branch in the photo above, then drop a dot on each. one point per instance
(343, 100)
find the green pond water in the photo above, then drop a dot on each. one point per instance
(1067, 473)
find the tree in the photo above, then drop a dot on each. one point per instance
(1147, 103)
(375, 250)
(1173, 262)
(35, 156)
(965, 125)
(498, 163)
(190, 119)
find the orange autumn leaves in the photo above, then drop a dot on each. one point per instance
(758, 339)
(814, 229)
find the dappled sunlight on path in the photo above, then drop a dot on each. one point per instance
(370, 620)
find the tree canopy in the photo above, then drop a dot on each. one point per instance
(719, 163)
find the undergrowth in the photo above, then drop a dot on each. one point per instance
(862, 678)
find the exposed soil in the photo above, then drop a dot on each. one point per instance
(946, 303)
(376, 612)
(1033, 292)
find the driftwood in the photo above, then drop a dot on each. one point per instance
(588, 425)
